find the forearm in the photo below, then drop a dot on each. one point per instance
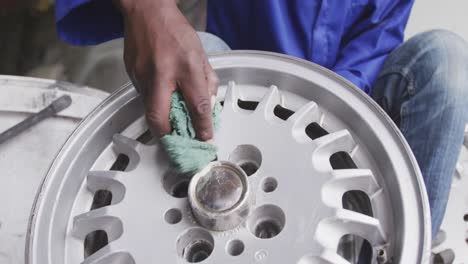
(130, 6)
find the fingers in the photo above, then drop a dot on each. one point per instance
(158, 105)
(211, 78)
(197, 95)
(161, 51)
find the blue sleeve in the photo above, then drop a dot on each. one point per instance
(87, 22)
(364, 48)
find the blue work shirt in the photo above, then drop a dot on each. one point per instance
(350, 37)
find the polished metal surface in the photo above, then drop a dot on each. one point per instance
(307, 140)
(219, 188)
(219, 196)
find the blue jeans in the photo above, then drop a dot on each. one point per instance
(423, 88)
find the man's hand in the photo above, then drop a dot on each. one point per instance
(163, 53)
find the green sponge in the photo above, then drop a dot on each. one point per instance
(187, 154)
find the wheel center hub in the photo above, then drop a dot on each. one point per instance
(219, 196)
(220, 189)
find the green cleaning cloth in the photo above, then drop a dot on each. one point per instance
(187, 154)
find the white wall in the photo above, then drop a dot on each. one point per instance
(432, 14)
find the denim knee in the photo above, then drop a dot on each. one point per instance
(435, 60)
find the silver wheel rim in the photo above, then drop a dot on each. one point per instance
(306, 211)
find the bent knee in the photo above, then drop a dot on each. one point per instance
(435, 60)
(440, 46)
(447, 61)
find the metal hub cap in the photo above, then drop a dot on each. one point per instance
(309, 170)
(219, 196)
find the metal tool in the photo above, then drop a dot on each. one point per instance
(56, 106)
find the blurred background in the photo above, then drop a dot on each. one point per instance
(29, 45)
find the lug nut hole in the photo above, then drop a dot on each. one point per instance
(176, 184)
(180, 190)
(235, 247)
(266, 221)
(267, 229)
(248, 167)
(195, 245)
(248, 157)
(198, 251)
